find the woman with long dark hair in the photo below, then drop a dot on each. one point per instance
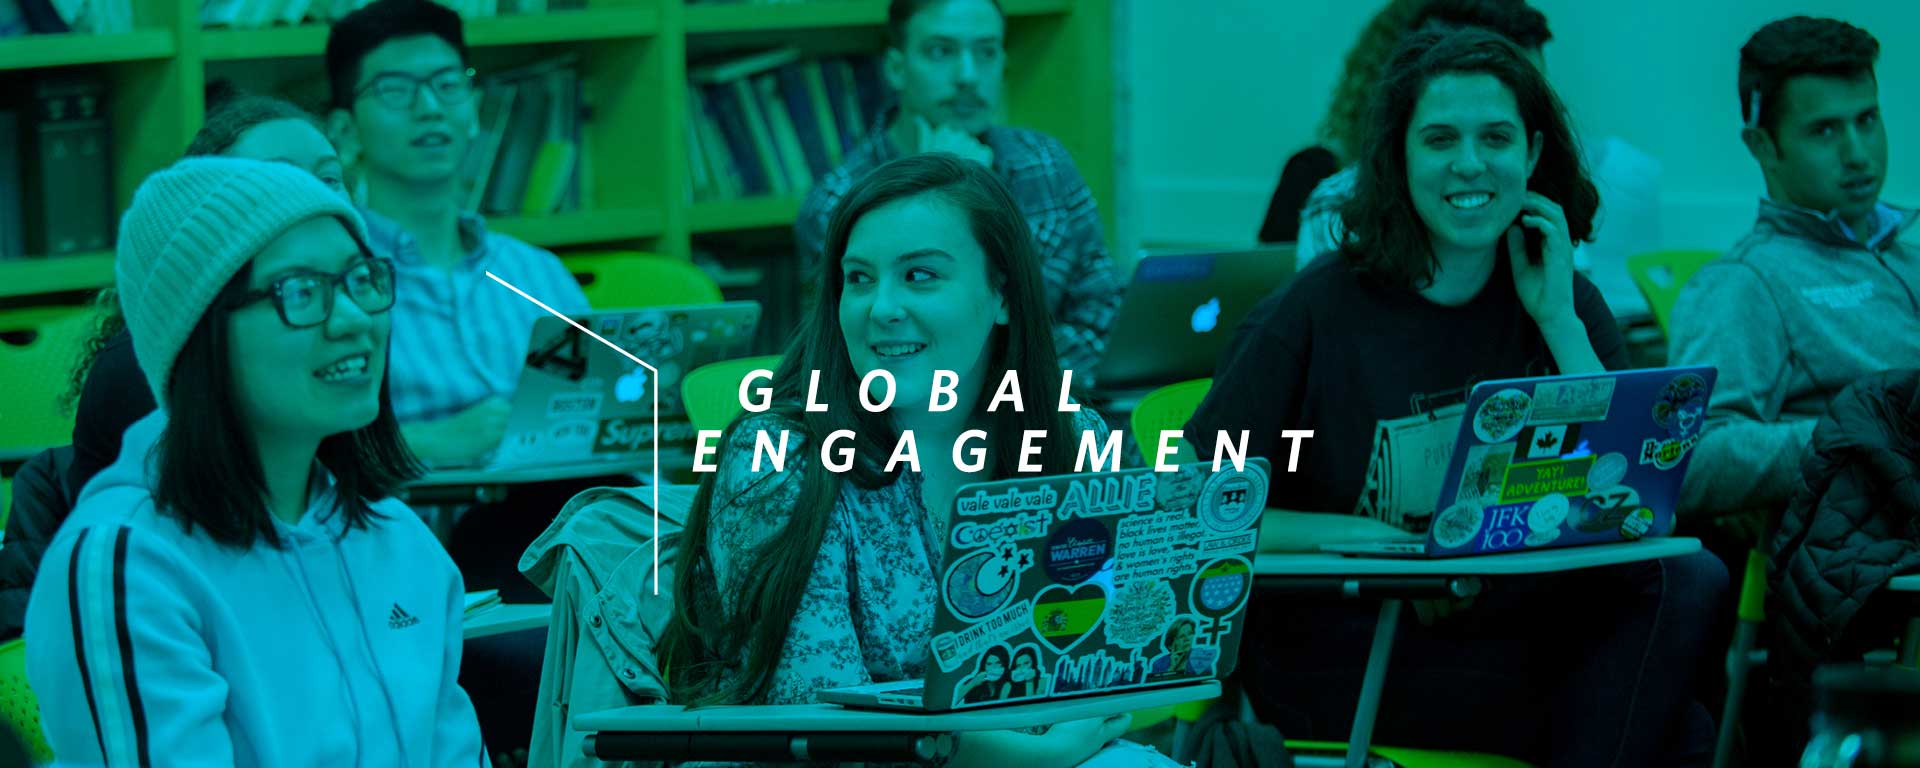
(1456, 268)
(795, 579)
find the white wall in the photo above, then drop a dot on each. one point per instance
(1218, 99)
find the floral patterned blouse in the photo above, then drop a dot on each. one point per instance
(867, 613)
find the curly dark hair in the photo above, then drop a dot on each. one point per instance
(1514, 20)
(1793, 47)
(1385, 238)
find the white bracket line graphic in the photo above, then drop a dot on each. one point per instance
(653, 379)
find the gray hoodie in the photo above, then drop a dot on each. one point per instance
(1794, 313)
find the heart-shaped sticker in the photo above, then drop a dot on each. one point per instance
(1063, 617)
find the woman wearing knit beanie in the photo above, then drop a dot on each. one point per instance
(239, 587)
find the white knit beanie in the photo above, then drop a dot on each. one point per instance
(191, 228)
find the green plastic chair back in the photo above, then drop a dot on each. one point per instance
(1168, 407)
(1661, 274)
(712, 391)
(630, 279)
(18, 706)
(35, 374)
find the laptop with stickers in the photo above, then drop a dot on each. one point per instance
(1083, 584)
(1179, 312)
(580, 401)
(1560, 461)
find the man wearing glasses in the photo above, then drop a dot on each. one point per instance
(403, 112)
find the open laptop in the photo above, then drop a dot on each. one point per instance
(578, 400)
(1179, 313)
(1562, 461)
(1082, 584)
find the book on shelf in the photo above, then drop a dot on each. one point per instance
(13, 242)
(68, 168)
(771, 123)
(260, 14)
(528, 158)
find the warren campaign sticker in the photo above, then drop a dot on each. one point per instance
(1076, 551)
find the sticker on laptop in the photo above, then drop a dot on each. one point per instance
(1140, 613)
(1232, 500)
(1076, 552)
(1636, 524)
(1485, 470)
(951, 650)
(1681, 410)
(1181, 652)
(1457, 526)
(1501, 416)
(1098, 671)
(568, 405)
(1572, 402)
(1507, 527)
(1536, 479)
(1607, 471)
(1156, 546)
(1003, 674)
(1220, 589)
(1063, 617)
(982, 582)
(1605, 509)
(1549, 441)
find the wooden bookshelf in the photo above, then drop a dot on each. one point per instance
(491, 32)
(742, 214)
(37, 51)
(57, 274)
(633, 66)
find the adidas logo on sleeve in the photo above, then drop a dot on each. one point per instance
(400, 619)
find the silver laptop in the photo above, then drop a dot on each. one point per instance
(1180, 311)
(579, 400)
(1072, 585)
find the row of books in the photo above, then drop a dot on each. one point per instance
(255, 14)
(56, 171)
(46, 17)
(528, 157)
(772, 123)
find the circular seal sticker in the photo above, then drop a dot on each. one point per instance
(1548, 513)
(1076, 551)
(1501, 416)
(1232, 500)
(1637, 524)
(977, 585)
(1607, 471)
(1457, 526)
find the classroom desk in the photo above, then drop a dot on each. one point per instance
(831, 733)
(485, 485)
(1395, 580)
(505, 617)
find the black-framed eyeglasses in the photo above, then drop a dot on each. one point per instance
(305, 298)
(399, 90)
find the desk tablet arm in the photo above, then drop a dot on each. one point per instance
(771, 746)
(1374, 587)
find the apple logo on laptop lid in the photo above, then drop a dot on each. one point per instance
(1206, 316)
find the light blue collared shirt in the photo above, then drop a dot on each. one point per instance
(459, 337)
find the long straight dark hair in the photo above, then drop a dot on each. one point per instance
(700, 644)
(1386, 238)
(209, 465)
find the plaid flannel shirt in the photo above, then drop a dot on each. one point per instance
(1082, 291)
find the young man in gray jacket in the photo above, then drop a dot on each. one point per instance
(1822, 291)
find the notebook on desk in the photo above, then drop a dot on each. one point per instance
(579, 400)
(1560, 461)
(1082, 584)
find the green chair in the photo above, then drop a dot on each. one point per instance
(712, 391)
(1742, 657)
(1412, 758)
(34, 374)
(1168, 407)
(630, 280)
(1661, 274)
(17, 704)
